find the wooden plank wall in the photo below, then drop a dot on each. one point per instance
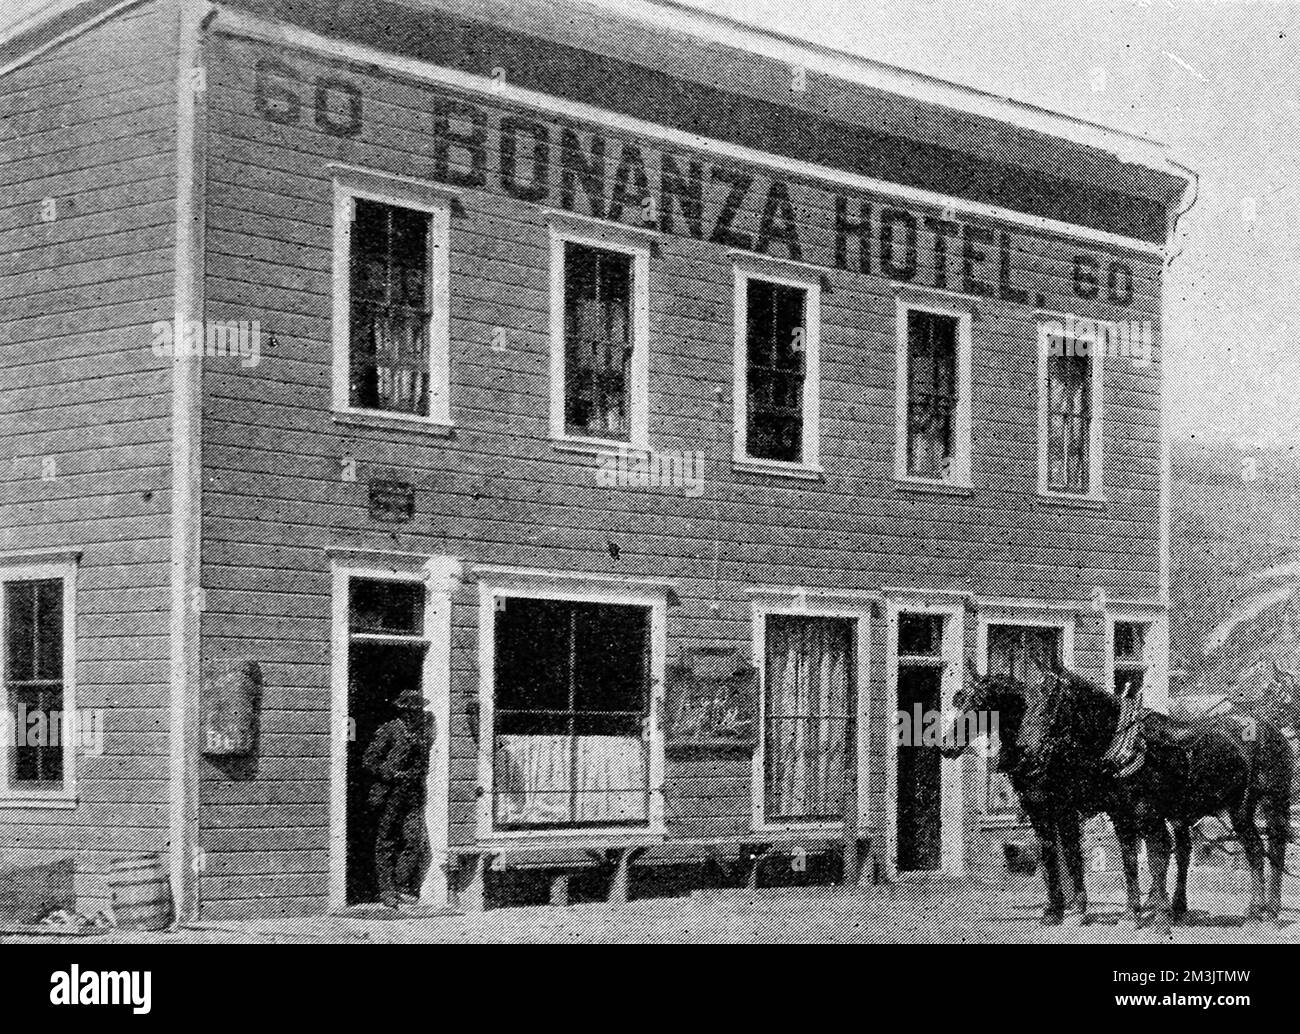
(91, 126)
(499, 491)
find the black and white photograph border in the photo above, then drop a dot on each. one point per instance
(648, 471)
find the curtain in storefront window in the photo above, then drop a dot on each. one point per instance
(534, 786)
(809, 696)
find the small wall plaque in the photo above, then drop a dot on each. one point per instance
(392, 501)
(712, 700)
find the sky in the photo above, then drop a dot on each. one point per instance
(1219, 80)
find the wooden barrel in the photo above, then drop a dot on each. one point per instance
(142, 893)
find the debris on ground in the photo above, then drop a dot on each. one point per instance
(64, 917)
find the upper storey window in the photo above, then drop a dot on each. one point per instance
(391, 316)
(934, 394)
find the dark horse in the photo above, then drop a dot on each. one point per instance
(1055, 739)
(1053, 744)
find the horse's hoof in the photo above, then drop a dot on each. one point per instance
(1052, 917)
(1160, 920)
(1177, 915)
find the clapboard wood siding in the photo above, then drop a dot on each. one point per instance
(499, 492)
(91, 125)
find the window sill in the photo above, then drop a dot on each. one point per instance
(52, 801)
(798, 829)
(393, 422)
(599, 447)
(951, 488)
(1068, 501)
(633, 836)
(749, 465)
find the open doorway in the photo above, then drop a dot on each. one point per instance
(385, 679)
(924, 791)
(920, 776)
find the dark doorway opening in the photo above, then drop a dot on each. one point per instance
(377, 674)
(920, 782)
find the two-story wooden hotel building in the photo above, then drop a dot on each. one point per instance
(671, 403)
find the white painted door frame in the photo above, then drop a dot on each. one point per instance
(439, 575)
(951, 818)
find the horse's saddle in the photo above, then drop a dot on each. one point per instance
(1176, 733)
(1139, 727)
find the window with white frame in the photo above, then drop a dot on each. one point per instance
(36, 681)
(809, 702)
(1069, 415)
(777, 363)
(933, 403)
(392, 288)
(570, 714)
(1130, 657)
(600, 338)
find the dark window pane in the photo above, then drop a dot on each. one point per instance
(920, 635)
(20, 628)
(387, 608)
(776, 340)
(1069, 423)
(34, 623)
(931, 394)
(36, 750)
(611, 659)
(533, 666)
(598, 342)
(390, 309)
(1130, 641)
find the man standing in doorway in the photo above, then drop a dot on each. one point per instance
(397, 761)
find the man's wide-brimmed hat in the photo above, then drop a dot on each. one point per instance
(409, 701)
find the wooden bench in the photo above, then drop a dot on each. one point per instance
(743, 857)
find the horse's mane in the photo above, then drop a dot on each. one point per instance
(1043, 737)
(1080, 685)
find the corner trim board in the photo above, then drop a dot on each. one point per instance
(186, 473)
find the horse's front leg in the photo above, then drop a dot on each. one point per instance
(1243, 824)
(1277, 822)
(1044, 823)
(1182, 857)
(1127, 834)
(1067, 827)
(1156, 834)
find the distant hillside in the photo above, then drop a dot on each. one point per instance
(1235, 564)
